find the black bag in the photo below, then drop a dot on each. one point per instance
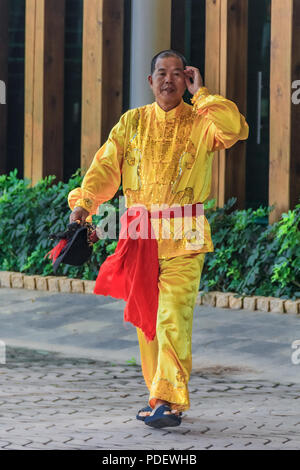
(75, 246)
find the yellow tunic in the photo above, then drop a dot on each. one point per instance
(164, 158)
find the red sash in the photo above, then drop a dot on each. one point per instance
(132, 272)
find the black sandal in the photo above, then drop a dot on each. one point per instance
(161, 420)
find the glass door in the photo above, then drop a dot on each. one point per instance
(188, 33)
(257, 157)
(15, 87)
(72, 86)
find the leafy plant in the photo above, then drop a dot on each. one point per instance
(28, 215)
(250, 256)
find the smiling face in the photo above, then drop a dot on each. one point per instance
(168, 82)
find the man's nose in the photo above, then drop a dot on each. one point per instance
(169, 78)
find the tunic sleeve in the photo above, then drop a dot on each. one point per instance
(223, 124)
(103, 178)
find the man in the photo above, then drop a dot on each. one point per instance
(164, 152)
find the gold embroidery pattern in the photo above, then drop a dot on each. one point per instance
(165, 390)
(159, 154)
(170, 385)
(184, 197)
(159, 159)
(180, 377)
(88, 203)
(129, 155)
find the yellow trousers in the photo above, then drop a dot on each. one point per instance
(167, 360)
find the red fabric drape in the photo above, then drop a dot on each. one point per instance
(132, 272)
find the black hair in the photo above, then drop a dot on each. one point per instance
(167, 53)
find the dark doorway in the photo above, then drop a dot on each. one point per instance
(15, 87)
(257, 157)
(72, 86)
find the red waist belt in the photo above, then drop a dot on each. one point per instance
(132, 272)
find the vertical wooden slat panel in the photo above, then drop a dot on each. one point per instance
(284, 115)
(102, 73)
(212, 45)
(53, 118)
(92, 47)
(3, 78)
(280, 105)
(44, 72)
(112, 96)
(30, 14)
(226, 74)
(38, 92)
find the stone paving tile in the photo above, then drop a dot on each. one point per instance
(53, 402)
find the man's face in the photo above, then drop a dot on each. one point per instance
(168, 81)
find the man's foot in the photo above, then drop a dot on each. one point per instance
(162, 402)
(149, 412)
(142, 414)
(161, 417)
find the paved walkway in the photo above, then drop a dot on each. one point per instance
(72, 378)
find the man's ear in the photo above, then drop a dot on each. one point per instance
(150, 80)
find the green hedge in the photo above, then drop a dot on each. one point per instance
(28, 215)
(249, 257)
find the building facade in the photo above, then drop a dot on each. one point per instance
(70, 68)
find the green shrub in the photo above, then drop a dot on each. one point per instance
(28, 215)
(250, 257)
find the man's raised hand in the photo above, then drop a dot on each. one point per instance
(194, 73)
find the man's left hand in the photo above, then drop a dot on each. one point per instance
(194, 73)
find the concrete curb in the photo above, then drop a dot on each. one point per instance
(45, 283)
(230, 300)
(236, 301)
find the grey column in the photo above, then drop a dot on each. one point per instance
(150, 34)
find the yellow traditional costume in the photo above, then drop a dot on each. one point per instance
(165, 158)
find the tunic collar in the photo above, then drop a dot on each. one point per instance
(165, 115)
